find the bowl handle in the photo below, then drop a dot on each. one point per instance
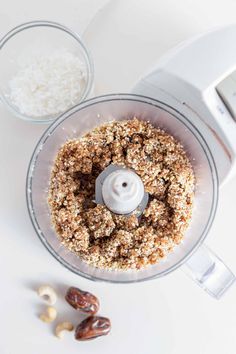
(208, 271)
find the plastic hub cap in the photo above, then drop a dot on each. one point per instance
(122, 191)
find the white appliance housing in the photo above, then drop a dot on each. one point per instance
(197, 79)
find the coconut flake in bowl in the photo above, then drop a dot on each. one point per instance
(45, 69)
(49, 85)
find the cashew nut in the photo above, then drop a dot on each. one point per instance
(63, 326)
(48, 293)
(49, 316)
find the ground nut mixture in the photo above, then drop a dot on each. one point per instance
(108, 240)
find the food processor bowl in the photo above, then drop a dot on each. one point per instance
(85, 117)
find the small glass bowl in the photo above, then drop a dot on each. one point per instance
(30, 40)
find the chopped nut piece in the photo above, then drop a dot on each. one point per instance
(49, 316)
(48, 294)
(157, 211)
(62, 327)
(99, 221)
(125, 222)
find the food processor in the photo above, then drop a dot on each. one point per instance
(196, 110)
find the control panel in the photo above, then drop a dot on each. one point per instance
(227, 91)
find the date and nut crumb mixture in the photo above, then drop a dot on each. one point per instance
(100, 237)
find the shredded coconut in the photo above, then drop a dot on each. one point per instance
(48, 85)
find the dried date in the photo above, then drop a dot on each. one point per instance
(92, 327)
(82, 300)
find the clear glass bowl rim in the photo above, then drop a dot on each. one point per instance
(143, 99)
(88, 58)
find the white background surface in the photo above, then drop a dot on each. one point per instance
(168, 316)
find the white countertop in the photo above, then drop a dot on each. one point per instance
(170, 315)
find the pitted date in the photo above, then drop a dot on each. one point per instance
(82, 300)
(92, 327)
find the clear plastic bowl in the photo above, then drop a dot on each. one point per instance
(28, 41)
(87, 116)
